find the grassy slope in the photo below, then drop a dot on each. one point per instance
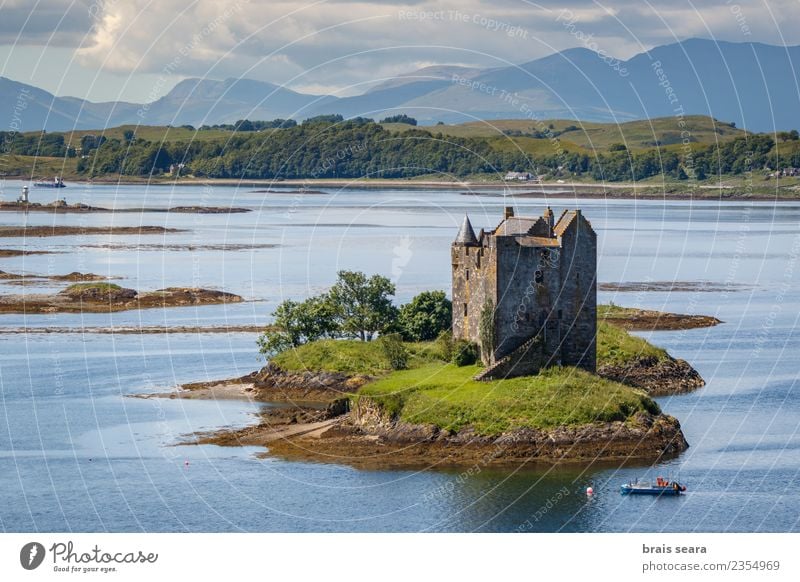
(347, 356)
(447, 396)
(432, 391)
(615, 346)
(589, 136)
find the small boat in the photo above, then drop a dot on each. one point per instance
(56, 183)
(661, 487)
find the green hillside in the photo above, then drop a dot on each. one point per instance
(579, 136)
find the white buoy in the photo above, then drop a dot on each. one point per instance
(589, 491)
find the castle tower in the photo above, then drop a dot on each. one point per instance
(526, 292)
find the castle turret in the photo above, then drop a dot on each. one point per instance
(466, 235)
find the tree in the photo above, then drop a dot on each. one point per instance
(364, 306)
(129, 135)
(426, 316)
(296, 323)
(244, 125)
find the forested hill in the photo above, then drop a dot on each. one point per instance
(329, 147)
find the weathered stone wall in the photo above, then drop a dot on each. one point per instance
(474, 283)
(578, 301)
(528, 290)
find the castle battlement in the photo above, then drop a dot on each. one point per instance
(526, 292)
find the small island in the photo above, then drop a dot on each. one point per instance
(54, 230)
(475, 380)
(61, 207)
(103, 297)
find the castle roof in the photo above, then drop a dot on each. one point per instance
(538, 241)
(515, 226)
(466, 236)
(564, 221)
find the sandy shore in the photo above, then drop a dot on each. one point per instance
(218, 390)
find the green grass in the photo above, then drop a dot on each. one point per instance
(79, 287)
(446, 396)
(348, 357)
(615, 346)
(434, 392)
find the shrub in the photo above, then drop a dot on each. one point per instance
(444, 345)
(465, 353)
(394, 350)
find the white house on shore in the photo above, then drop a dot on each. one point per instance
(519, 177)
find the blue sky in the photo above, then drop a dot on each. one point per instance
(136, 50)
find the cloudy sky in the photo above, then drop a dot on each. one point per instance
(136, 50)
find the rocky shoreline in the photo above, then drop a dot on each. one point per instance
(367, 438)
(648, 320)
(318, 425)
(271, 384)
(657, 377)
(323, 419)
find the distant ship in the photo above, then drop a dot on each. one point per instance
(56, 183)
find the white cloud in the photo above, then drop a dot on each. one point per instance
(335, 44)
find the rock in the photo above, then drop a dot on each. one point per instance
(271, 383)
(180, 296)
(656, 377)
(99, 293)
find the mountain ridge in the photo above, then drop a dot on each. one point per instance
(751, 84)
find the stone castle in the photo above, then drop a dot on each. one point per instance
(526, 292)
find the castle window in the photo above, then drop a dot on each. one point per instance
(466, 273)
(559, 314)
(538, 276)
(465, 310)
(478, 260)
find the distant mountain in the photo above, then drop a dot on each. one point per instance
(754, 85)
(433, 73)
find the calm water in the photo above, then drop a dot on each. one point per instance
(76, 454)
